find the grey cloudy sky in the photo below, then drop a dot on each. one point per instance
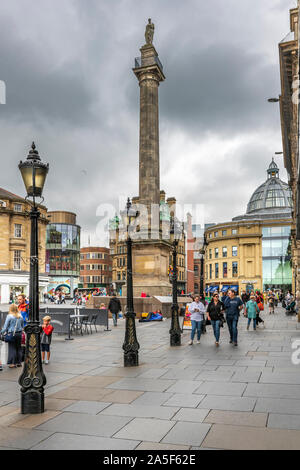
(67, 67)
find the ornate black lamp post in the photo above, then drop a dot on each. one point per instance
(33, 380)
(130, 346)
(175, 331)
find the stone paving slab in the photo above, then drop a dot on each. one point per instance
(80, 423)
(277, 405)
(146, 385)
(146, 429)
(21, 438)
(88, 407)
(188, 414)
(282, 421)
(237, 418)
(250, 438)
(152, 398)
(184, 386)
(141, 411)
(157, 446)
(272, 391)
(221, 388)
(61, 441)
(184, 400)
(281, 377)
(187, 433)
(228, 403)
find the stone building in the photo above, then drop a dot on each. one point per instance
(289, 112)
(152, 248)
(253, 251)
(95, 269)
(15, 246)
(63, 252)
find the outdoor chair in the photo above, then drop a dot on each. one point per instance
(91, 323)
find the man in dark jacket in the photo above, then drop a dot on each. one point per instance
(114, 307)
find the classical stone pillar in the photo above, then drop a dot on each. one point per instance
(149, 73)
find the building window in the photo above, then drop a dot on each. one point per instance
(119, 276)
(224, 233)
(87, 279)
(17, 260)
(210, 235)
(196, 288)
(224, 269)
(88, 256)
(216, 270)
(81, 279)
(18, 231)
(124, 276)
(216, 234)
(196, 269)
(234, 251)
(234, 269)
(18, 207)
(82, 267)
(216, 252)
(81, 256)
(210, 271)
(224, 251)
(210, 253)
(234, 231)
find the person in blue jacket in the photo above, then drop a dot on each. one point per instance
(233, 305)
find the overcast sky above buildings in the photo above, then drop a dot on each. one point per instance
(67, 65)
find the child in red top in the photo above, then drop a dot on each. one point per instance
(46, 338)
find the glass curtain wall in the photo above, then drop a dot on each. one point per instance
(63, 249)
(276, 258)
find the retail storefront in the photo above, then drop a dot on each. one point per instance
(12, 284)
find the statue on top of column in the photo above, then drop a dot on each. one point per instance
(149, 33)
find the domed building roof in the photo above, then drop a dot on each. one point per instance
(273, 198)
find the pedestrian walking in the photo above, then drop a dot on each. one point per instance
(197, 311)
(245, 298)
(271, 302)
(114, 308)
(215, 311)
(252, 311)
(233, 306)
(47, 330)
(13, 327)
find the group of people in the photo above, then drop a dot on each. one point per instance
(226, 309)
(14, 335)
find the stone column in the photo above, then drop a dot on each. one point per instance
(149, 73)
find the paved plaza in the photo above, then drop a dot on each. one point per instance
(190, 397)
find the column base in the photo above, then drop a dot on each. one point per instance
(131, 359)
(32, 402)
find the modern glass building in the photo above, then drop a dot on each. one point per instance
(63, 252)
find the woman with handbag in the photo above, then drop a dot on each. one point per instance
(12, 331)
(215, 311)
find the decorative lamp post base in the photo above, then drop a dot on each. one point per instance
(32, 402)
(131, 359)
(175, 338)
(32, 379)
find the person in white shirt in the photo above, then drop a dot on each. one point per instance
(197, 311)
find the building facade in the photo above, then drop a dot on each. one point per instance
(289, 112)
(15, 247)
(95, 269)
(253, 251)
(63, 252)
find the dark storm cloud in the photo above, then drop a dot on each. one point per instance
(67, 66)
